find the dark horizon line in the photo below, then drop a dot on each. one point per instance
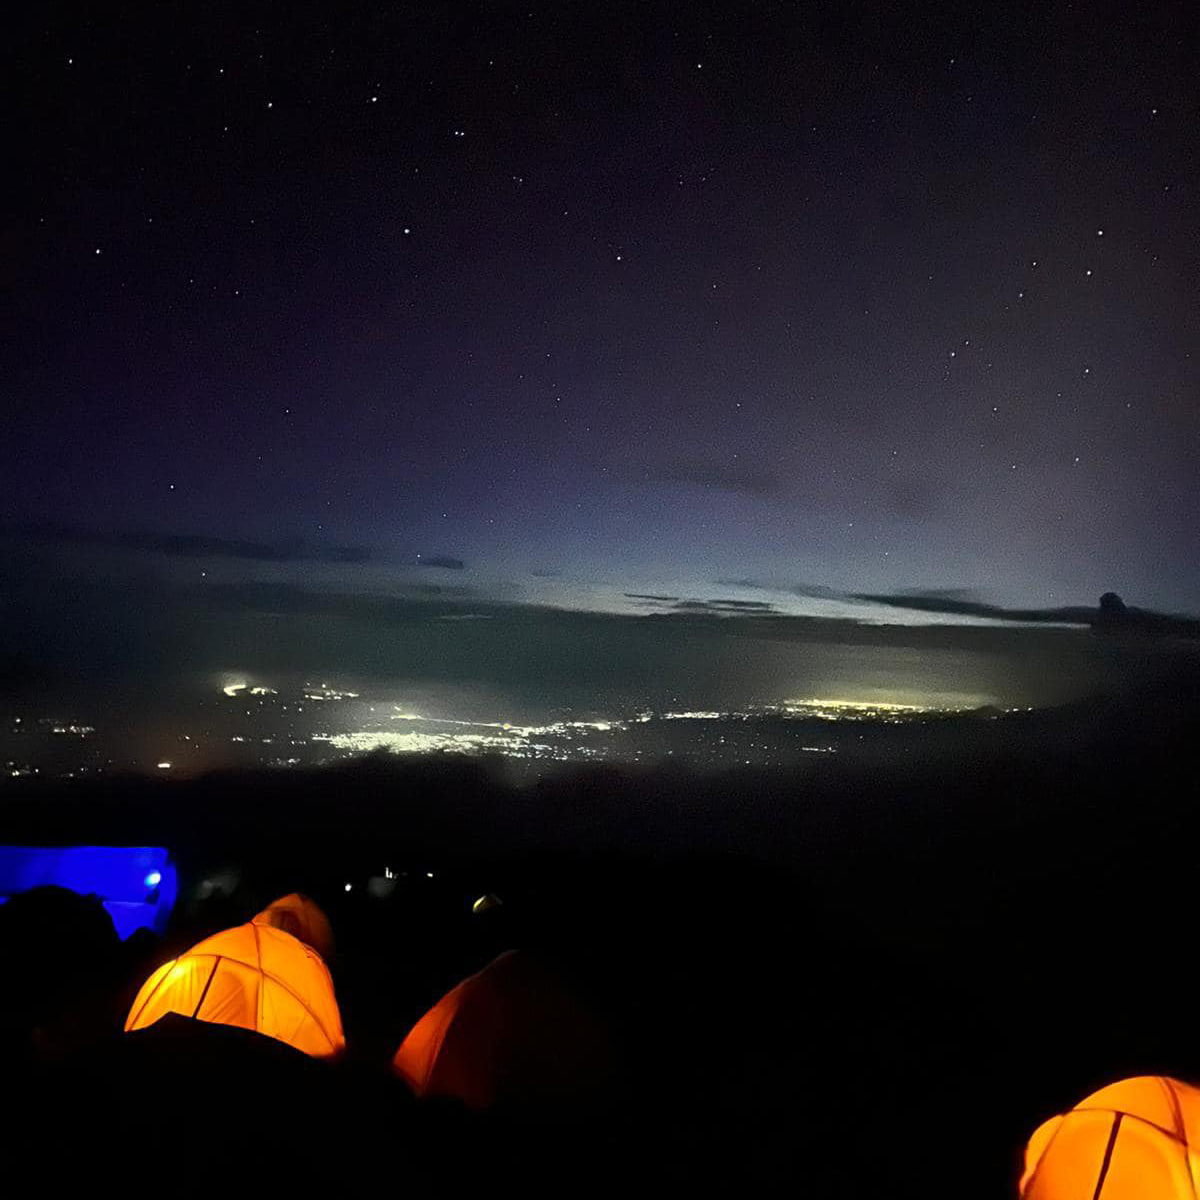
(298, 550)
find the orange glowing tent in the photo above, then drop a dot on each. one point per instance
(511, 1037)
(1132, 1140)
(302, 917)
(255, 977)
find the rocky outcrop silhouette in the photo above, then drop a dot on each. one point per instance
(1114, 616)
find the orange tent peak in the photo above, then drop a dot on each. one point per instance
(302, 917)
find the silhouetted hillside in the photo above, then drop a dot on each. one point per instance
(810, 969)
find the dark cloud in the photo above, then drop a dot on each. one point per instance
(198, 545)
(715, 607)
(1111, 615)
(733, 606)
(954, 602)
(961, 603)
(756, 585)
(720, 477)
(812, 591)
(673, 604)
(444, 561)
(458, 590)
(953, 594)
(187, 545)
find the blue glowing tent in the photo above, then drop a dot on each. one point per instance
(136, 883)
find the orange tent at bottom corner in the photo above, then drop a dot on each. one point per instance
(1138, 1139)
(254, 977)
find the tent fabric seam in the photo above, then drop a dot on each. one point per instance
(1108, 1153)
(207, 984)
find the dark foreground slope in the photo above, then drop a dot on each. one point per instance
(868, 978)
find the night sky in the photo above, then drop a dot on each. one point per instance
(621, 309)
